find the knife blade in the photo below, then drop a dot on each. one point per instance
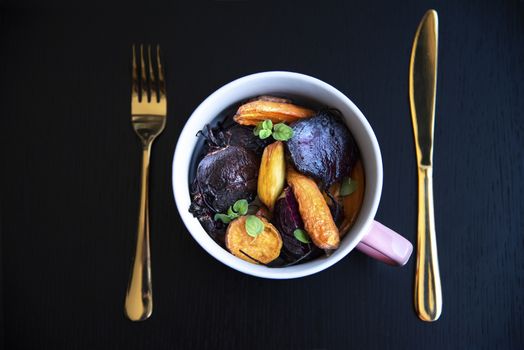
(422, 96)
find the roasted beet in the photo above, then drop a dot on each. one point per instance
(243, 136)
(322, 147)
(232, 134)
(216, 185)
(225, 176)
(286, 219)
(216, 229)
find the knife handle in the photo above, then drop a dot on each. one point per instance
(428, 292)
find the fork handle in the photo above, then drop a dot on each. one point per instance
(428, 293)
(139, 296)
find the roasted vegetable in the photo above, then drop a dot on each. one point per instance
(353, 202)
(226, 133)
(237, 161)
(322, 147)
(229, 133)
(225, 176)
(286, 218)
(276, 110)
(314, 210)
(262, 249)
(242, 136)
(272, 174)
(215, 229)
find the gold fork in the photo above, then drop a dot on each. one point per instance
(148, 117)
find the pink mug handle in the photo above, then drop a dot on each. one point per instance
(385, 245)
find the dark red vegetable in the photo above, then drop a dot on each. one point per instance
(227, 172)
(322, 147)
(243, 136)
(216, 229)
(225, 176)
(233, 134)
(286, 218)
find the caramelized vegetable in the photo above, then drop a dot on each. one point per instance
(262, 249)
(322, 147)
(242, 136)
(286, 219)
(313, 150)
(228, 133)
(314, 210)
(274, 109)
(272, 174)
(225, 176)
(353, 202)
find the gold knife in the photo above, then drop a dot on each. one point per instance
(422, 95)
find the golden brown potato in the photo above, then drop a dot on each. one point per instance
(251, 113)
(272, 174)
(263, 248)
(353, 202)
(314, 210)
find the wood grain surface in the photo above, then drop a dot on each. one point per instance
(70, 166)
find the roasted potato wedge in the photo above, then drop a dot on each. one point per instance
(272, 174)
(261, 249)
(353, 202)
(251, 113)
(314, 210)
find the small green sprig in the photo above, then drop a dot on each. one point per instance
(238, 209)
(280, 131)
(254, 226)
(301, 236)
(348, 186)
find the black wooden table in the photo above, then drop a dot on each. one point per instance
(70, 166)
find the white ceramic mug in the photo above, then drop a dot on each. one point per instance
(366, 235)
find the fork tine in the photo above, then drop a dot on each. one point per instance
(134, 78)
(143, 85)
(152, 79)
(161, 81)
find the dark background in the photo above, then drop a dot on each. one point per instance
(70, 167)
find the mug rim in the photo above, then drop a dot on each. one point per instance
(181, 192)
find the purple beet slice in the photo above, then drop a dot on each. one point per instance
(286, 218)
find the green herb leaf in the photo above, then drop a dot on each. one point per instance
(241, 206)
(301, 235)
(264, 134)
(232, 215)
(348, 186)
(257, 129)
(254, 226)
(238, 209)
(282, 132)
(267, 124)
(222, 217)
